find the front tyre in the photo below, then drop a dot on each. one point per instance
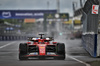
(61, 51)
(22, 51)
(21, 57)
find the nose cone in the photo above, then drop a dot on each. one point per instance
(42, 49)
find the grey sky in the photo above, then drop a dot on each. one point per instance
(65, 5)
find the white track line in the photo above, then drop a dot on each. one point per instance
(7, 45)
(79, 61)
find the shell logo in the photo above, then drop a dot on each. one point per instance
(42, 47)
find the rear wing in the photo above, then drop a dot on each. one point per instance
(34, 39)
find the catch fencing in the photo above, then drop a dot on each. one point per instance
(90, 28)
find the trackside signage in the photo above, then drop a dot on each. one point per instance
(21, 14)
(95, 9)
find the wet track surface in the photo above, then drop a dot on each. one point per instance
(9, 55)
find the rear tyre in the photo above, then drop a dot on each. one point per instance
(61, 51)
(22, 51)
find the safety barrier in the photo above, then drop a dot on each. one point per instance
(90, 29)
(89, 42)
(11, 38)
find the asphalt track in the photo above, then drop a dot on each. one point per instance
(75, 55)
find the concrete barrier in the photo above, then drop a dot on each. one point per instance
(89, 42)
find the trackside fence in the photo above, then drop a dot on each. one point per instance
(90, 29)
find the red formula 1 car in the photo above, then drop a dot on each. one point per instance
(41, 48)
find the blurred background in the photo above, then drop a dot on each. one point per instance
(54, 17)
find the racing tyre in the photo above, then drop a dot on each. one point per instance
(21, 57)
(61, 51)
(60, 57)
(22, 51)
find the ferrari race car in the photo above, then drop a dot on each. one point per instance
(41, 48)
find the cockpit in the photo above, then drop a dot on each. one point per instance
(40, 40)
